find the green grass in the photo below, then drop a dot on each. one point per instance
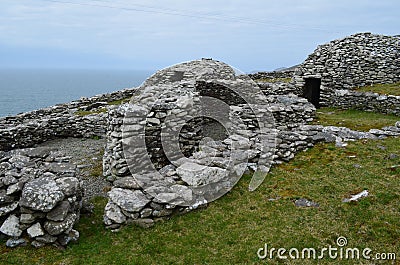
(354, 119)
(274, 80)
(85, 112)
(388, 89)
(119, 102)
(102, 110)
(232, 228)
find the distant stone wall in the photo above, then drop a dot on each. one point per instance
(40, 197)
(358, 60)
(272, 75)
(366, 101)
(28, 129)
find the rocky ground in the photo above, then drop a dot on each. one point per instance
(87, 155)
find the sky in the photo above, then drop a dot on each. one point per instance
(149, 35)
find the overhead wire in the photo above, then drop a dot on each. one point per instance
(185, 13)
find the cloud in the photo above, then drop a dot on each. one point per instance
(254, 34)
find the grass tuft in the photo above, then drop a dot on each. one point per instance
(388, 89)
(354, 119)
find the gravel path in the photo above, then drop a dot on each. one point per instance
(87, 154)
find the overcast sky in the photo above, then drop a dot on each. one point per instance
(249, 35)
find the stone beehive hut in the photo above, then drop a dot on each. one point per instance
(358, 60)
(186, 138)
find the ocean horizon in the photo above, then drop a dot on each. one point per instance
(24, 90)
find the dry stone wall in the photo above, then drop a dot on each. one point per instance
(40, 197)
(345, 64)
(27, 129)
(144, 191)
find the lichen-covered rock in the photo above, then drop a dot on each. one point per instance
(41, 194)
(59, 213)
(56, 228)
(196, 175)
(71, 236)
(68, 185)
(35, 230)
(11, 227)
(4, 210)
(127, 200)
(114, 213)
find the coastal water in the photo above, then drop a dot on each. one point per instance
(24, 90)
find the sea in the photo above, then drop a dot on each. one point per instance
(23, 90)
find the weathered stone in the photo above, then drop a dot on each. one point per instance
(46, 239)
(196, 175)
(13, 242)
(11, 227)
(37, 244)
(68, 185)
(13, 188)
(126, 183)
(59, 213)
(305, 203)
(130, 201)
(8, 208)
(41, 194)
(72, 236)
(27, 218)
(114, 213)
(144, 223)
(56, 228)
(35, 230)
(146, 212)
(4, 198)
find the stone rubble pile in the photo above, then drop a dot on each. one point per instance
(40, 197)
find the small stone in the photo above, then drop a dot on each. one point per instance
(46, 239)
(4, 198)
(65, 239)
(126, 183)
(68, 185)
(162, 213)
(35, 230)
(41, 194)
(114, 213)
(392, 156)
(305, 203)
(56, 228)
(11, 227)
(13, 188)
(144, 223)
(8, 208)
(165, 197)
(27, 218)
(15, 242)
(37, 244)
(146, 212)
(59, 212)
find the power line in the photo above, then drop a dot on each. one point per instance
(189, 14)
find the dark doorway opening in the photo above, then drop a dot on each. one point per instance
(312, 90)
